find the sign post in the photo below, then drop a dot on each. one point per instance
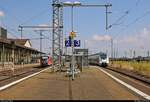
(72, 43)
(72, 35)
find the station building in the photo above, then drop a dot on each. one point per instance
(16, 51)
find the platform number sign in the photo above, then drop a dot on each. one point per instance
(76, 43)
(68, 43)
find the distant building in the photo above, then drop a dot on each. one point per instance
(23, 42)
(3, 33)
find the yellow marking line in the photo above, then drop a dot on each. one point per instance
(20, 80)
(127, 85)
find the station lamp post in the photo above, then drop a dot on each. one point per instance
(72, 34)
(71, 4)
(78, 4)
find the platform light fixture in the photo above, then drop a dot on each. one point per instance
(68, 3)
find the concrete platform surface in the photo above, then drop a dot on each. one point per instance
(91, 84)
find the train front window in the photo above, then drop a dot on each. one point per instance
(104, 56)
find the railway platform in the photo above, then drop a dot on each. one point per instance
(91, 84)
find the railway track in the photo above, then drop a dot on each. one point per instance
(130, 74)
(18, 76)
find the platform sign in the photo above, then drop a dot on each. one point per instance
(76, 43)
(68, 43)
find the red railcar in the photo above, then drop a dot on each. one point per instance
(46, 61)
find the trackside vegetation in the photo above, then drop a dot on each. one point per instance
(142, 67)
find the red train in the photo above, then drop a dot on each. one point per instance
(46, 61)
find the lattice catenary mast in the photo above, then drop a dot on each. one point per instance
(57, 33)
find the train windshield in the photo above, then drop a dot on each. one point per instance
(44, 57)
(103, 56)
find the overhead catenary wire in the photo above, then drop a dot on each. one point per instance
(136, 20)
(127, 12)
(139, 18)
(137, 2)
(35, 16)
(12, 15)
(39, 38)
(10, 30)
(45, 37)
(12, 34)
(117, 22)
(19, 21)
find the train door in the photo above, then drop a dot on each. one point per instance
(49, 61)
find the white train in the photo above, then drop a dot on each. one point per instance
(100, 59)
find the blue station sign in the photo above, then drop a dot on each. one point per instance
(77, 43)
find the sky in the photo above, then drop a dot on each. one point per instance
(129, 21)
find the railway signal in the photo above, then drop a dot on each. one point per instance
(72, 34)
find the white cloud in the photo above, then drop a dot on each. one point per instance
(128, 40)
(101, 38)
(88, 43)
(140, 38)
(138, 41)
(2, 14)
